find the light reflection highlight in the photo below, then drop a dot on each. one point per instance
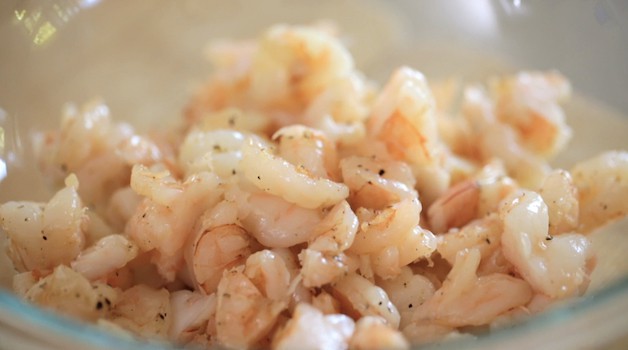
(42, 19)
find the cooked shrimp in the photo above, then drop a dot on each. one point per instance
(295, 64)
(43, 236)
(417, 243)
(553, 265)
(376, 183)
(561, 197)
(107, 255)
(68, 292)
(218, 244)
(324, 261)
(308, 149)
(481, 234)
(380, 229)
(190, 312)
(407, 291)
(372, 332)
(360, 297)
(497, 140)
(529, 101)
(311, 329)
(243, 315)
(144, 310)
(276, 176)
(269, 273)
(326, 304)
(403, 118)
(277, 223)
(215, 151)
(165, 219)
(465, 299)
(602, 184)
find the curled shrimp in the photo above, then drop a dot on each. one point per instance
(311, 329)
(529, 101)
(602, 184)
(42, 236)
(403, 119)
(498, 140)
(276, 176)
(553, 265)
(465, 299)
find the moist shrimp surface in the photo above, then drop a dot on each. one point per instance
(301, 205)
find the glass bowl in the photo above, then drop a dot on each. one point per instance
(145, 58)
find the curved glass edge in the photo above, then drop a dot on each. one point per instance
(98, 338)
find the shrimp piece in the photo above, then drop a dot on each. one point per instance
(309, 328)
(561, 196)
(403, 119)
(167, 216)
(277, 223)
(472, 198)
(23, 281)
(295, 64)
(464, 299)
(217, 151)
(372, 332)
(417, 243)
(69, 293)
(190, 312)
(326, 304)
(243, 315)
(380, 229)
(555, 266)
(602, 183)
(144, 311)
(309, 149)
(42, 236)
(407, 291)
(323, 261)
(376, 183)
(360, 297)
(219, 244)
(319, 269)
(276, 176)
(497, 140)
(336, 232)
(482, 234)
(107, 255)
(269, 273)
(529, 102)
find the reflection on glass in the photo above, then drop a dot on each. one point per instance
(42, 19)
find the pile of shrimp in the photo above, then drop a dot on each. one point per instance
(299, 205)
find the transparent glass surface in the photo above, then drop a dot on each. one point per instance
(145, 58)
